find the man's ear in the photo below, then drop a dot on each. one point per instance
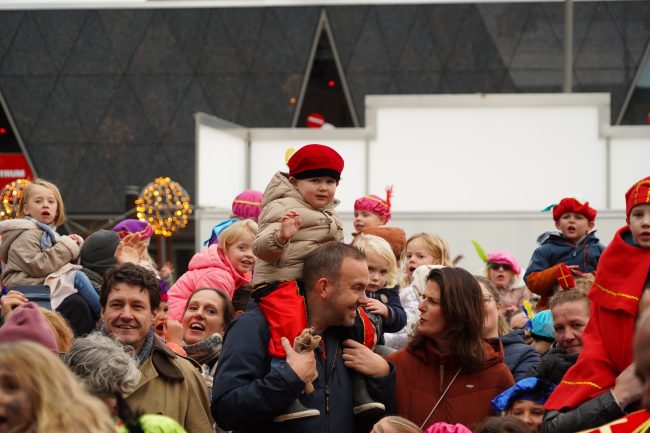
(591, 225)
(321, 287)
(627, 221)
(557, 225)
(293, 181)
(383, 220)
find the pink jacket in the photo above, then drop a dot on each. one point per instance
(208, 268)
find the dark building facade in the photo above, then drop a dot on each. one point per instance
(105, 98)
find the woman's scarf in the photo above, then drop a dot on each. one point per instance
(205, 351)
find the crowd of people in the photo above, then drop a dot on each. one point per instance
(279, 325)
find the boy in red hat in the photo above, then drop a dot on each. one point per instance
(298, 216)
(619, 295)
(298, 213)
(574, 250)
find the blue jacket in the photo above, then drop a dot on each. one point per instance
(248, 393)
(519, 356)
(554, 249)
(396, 314)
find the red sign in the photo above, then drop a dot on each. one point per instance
(13, 166)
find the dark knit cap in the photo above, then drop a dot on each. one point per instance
(98, 250)
(27, 323)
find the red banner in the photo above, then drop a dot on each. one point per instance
(13, 166)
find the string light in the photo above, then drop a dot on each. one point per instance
(10, 195)
(165, 205)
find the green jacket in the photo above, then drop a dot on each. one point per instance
(156, 424)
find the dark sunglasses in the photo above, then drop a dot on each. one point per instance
(497, 266)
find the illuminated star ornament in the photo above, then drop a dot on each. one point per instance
(10, 195)
(165, 205)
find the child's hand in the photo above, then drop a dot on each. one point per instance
(129, 249)
(174, 331)
(375, 306)
(289, 225)
(166, 270)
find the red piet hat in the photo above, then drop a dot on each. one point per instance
(315, 160)
(570, 204)
(374, 204)
(638, 194)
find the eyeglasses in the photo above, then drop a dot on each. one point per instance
(487, 299)
(497, 266)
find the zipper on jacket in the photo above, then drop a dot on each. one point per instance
(328, 373)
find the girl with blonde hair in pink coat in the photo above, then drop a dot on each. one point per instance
(225, 266)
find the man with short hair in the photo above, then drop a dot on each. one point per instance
(571, 311)
(170, 385)
(249, 391)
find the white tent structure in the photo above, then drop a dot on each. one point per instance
(463, 166)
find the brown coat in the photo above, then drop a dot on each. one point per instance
(280, 263)
(26, 263)
(423, 374)
(172, 386)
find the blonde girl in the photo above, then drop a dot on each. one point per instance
(40, 394)
(395, 424)
(382, 293)
(421, 249)
(226, 266)
(33, 252)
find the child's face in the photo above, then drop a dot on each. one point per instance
(241, 255)
(378, 270)
(529, 412)
(16, 410)
(639, 222)
(160, 319)
(418, 253)
(41, 205)
(501, 275)
(574, 226)
(366, 219)
(318, 192)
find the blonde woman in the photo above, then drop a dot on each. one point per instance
(40, 395)
(518, 356)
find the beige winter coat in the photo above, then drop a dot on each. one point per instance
(172, 386)
(279, 263)
(25, 262)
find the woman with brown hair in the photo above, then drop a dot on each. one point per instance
(448, 373)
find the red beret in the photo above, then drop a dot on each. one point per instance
(570, 204)
(638, 194)
(315, 160)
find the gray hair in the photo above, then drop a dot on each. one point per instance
(104, 366)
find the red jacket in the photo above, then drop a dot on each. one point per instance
(423, 374)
